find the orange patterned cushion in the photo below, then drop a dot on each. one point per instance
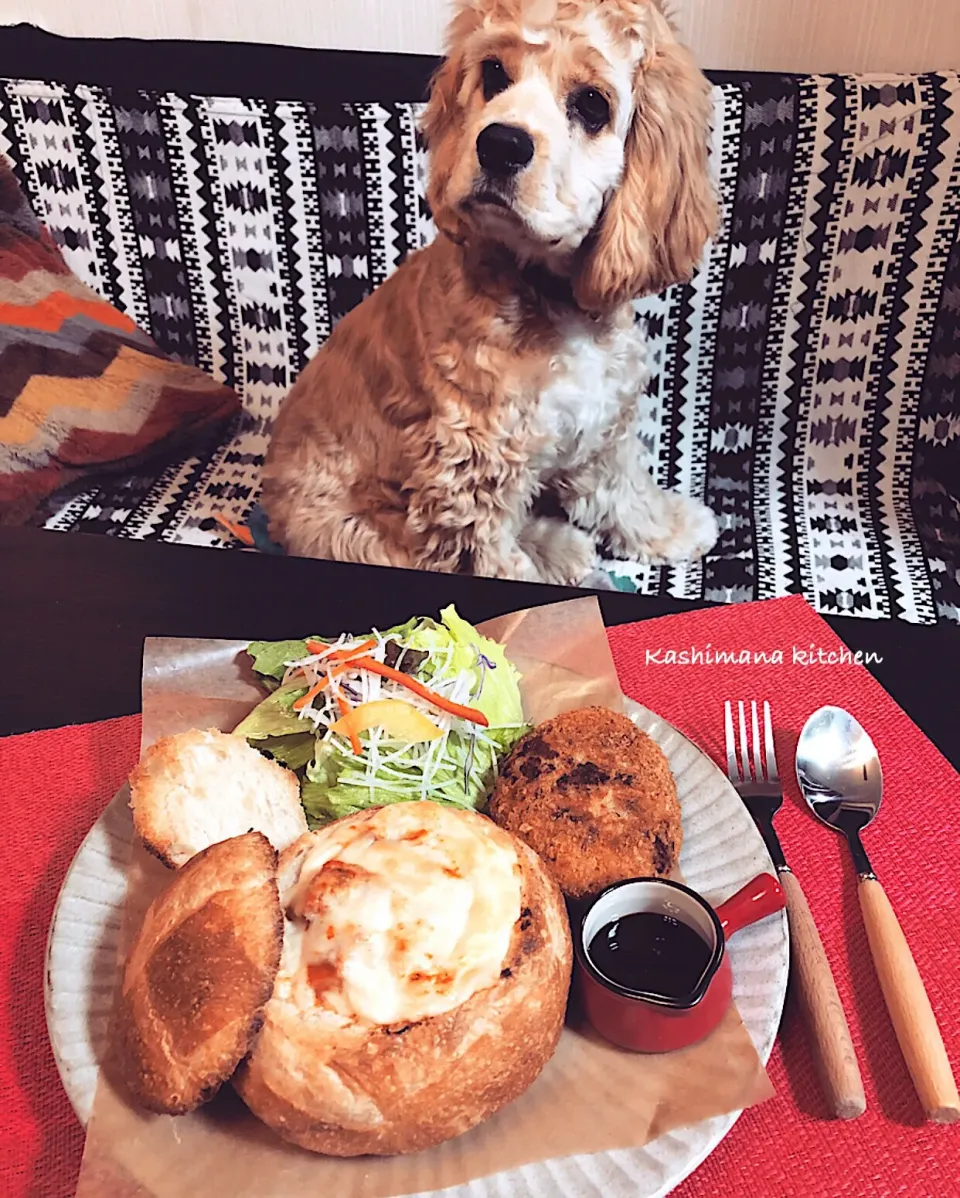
(82, 389)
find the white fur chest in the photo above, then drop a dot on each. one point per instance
(593, 394)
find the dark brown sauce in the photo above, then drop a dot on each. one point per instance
(651, 953)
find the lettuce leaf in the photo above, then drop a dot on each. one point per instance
(274, 716)
(337, 783)
(269, 657)
(294, 751)
(499, 680)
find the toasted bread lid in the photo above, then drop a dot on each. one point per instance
(199, 974)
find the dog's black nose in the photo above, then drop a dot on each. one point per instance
(504, 149)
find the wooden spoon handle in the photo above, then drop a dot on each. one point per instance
(834, 1053)
(910, 1011)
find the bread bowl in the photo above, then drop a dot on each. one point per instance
(200, 787)
(423, 983)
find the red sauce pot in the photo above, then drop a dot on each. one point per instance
(648, 1021)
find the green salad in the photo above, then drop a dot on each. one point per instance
(421, 711)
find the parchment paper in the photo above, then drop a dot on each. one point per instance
(591, 1097)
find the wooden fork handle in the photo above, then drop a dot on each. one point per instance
(833, 1049)
(910, 1012)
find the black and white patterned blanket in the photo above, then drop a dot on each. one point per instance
(807, 382)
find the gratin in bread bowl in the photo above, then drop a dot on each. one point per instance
(423, 984)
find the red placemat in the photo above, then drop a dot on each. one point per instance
(55, 784)
(786, 1148)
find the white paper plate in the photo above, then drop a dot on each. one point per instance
(722, 851)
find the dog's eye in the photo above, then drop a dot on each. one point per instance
(590, 108)
(495, 78)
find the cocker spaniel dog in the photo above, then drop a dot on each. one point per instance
(568, 144)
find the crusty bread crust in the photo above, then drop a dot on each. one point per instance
(199, 974)
(196, 788)
(595, 797)
(385, 1090)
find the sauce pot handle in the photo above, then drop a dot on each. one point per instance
(759, 898)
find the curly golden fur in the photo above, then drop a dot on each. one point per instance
(502, 361)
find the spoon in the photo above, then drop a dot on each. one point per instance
(839, 773)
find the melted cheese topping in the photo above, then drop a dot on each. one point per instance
(407, 911)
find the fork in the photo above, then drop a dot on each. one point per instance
(763, 796)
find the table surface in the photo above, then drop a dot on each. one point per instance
(75, 609)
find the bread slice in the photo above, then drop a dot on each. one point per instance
(197, 788)
(199, 974)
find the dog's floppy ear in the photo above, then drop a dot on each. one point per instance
(442, 123)
(442, 106)
(655, 226)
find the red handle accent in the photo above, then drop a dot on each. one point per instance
(758, 899)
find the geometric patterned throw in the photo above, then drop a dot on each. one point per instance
(806, 382)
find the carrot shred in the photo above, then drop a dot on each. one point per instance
(378, 667)
(348, 654)
(308, 698)
(345, 709)
(237, 531)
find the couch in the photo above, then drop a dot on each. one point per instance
(236, 201)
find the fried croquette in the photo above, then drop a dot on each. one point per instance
(594, 796)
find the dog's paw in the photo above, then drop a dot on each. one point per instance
(598, 580)
(519, 567)
(681, 530)
(564, 554)
(511, 562)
